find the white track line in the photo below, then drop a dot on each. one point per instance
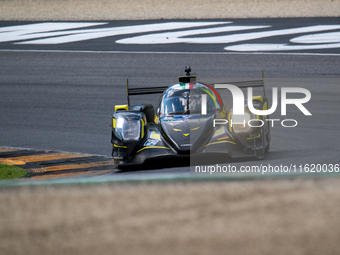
(173, 52)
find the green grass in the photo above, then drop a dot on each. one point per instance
(11, 172)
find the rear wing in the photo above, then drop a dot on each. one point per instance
(189, 79)
(155, 90)
(247, 84)
(142, 91)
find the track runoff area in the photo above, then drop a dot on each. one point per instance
(258, 36)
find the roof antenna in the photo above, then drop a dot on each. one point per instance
(187, 70)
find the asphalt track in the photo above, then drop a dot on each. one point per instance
(63, 100)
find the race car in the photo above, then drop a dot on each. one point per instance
(190, 121)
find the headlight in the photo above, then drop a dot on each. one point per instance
(129, 126)
(239, 123)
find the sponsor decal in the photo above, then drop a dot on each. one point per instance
(151, 142)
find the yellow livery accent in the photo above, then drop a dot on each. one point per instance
(153, 147)
(249, 138)
(113, 122)
(186, 134)
(121, 107)
(120, 146)
(230, 127)
(195, 128)
(176, 129)
(142, 128)
(224, 141)
(258, 98)
(219, 131)
(155, 135)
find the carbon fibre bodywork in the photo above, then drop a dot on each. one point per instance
(140, 136)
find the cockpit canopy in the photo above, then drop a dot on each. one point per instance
(186, 98)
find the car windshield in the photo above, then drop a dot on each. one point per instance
(187, 101)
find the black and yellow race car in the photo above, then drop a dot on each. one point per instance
(190, 121)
